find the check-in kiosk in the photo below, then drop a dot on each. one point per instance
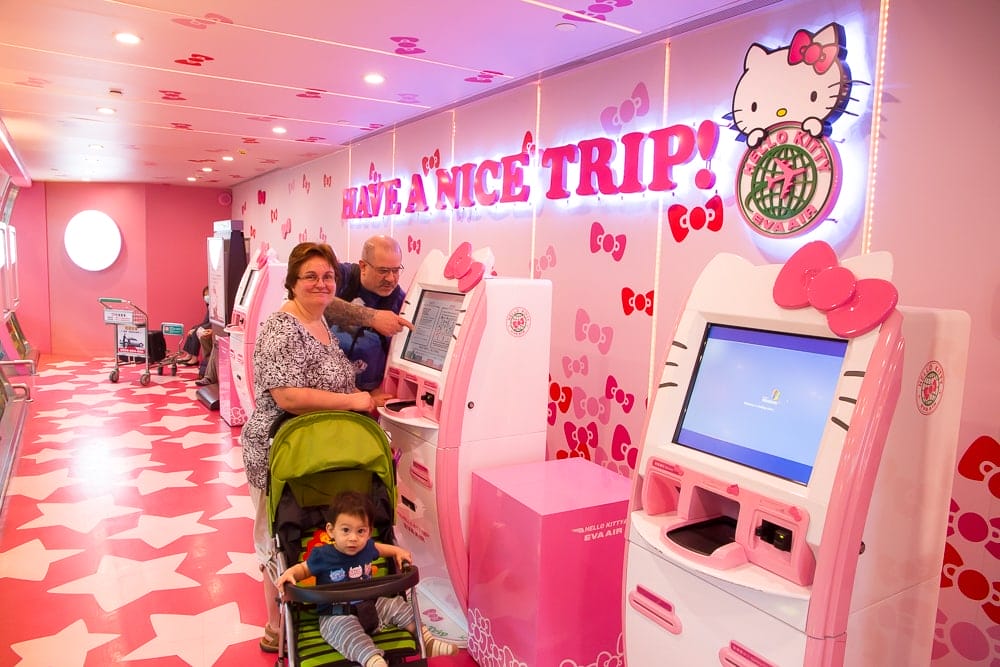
(471, 384)
(261, 291)
(791, 497)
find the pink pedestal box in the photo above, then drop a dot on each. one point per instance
(229, 401)
(546, 556)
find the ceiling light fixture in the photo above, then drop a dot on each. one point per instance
(192, 179)
(127, 38)
(227, 158)
(278, 130)
(107, 111)
(374, 79)
(206, 169)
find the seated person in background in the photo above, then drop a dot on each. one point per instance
(209, 370)
(372, 282)
(349, 557)
(198, 340)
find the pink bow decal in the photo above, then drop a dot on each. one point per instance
(431, 162)
(596, 334)
(615, 393)
(683, 221)
(580, 436)
(545, 261)
(805, 50)
(461, 266)
(613, 119)
(599, 240)
(621, 447)
(412, 244)
(579, 366)
(595, 406)
(637, 303)
(981, 463)
(812, 277)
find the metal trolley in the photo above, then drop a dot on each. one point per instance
(131, 334)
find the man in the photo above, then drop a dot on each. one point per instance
(366, 315)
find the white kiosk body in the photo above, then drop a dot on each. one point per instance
(791, 497)
(470, 383)
(261, 292)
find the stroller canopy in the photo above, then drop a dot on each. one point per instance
(321, 453)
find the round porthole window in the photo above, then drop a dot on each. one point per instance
(92, 240)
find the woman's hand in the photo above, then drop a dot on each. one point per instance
(380, 397)
(363, 401)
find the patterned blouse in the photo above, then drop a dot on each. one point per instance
(287, 355)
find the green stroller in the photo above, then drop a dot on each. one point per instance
(313, 458)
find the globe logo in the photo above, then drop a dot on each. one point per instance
(788, 183)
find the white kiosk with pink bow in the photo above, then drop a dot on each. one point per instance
(471, 388)
(792, 492)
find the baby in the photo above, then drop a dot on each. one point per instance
(348, 557)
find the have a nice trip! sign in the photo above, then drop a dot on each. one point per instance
(590, 167)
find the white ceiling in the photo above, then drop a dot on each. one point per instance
(211, 79)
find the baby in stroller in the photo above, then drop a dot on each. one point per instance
(348, 557)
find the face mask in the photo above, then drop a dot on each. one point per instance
(206, 298)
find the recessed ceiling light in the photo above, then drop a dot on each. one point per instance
(105, 110)
(206, 169)
(278, 130)
(374, 78)
(192, 179)
(565, 27)
(127, 38)
(227, 158)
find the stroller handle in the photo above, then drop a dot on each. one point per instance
(351, 591)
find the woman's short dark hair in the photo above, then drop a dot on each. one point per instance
(302, 253)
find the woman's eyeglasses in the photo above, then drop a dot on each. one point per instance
(312, 278)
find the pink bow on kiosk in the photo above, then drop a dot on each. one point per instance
(813, 277)
(464, 268)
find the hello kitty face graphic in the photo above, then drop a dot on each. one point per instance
(807, 82)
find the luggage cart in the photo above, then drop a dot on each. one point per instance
(131, 334)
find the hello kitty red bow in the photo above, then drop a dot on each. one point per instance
(805, 49)
(812, 277)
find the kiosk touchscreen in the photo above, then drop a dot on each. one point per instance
(470, 383)
(791, 495)
(261, 291)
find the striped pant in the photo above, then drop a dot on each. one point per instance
(345, 633)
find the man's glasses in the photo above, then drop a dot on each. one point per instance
(312, 278)
(386, 271)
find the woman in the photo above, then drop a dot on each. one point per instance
(298, 368)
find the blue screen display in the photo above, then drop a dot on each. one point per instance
(761, 398)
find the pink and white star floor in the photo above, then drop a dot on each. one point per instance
(125, 532)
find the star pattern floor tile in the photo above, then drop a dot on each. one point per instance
(125, 530)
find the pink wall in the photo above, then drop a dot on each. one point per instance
(162, 267)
